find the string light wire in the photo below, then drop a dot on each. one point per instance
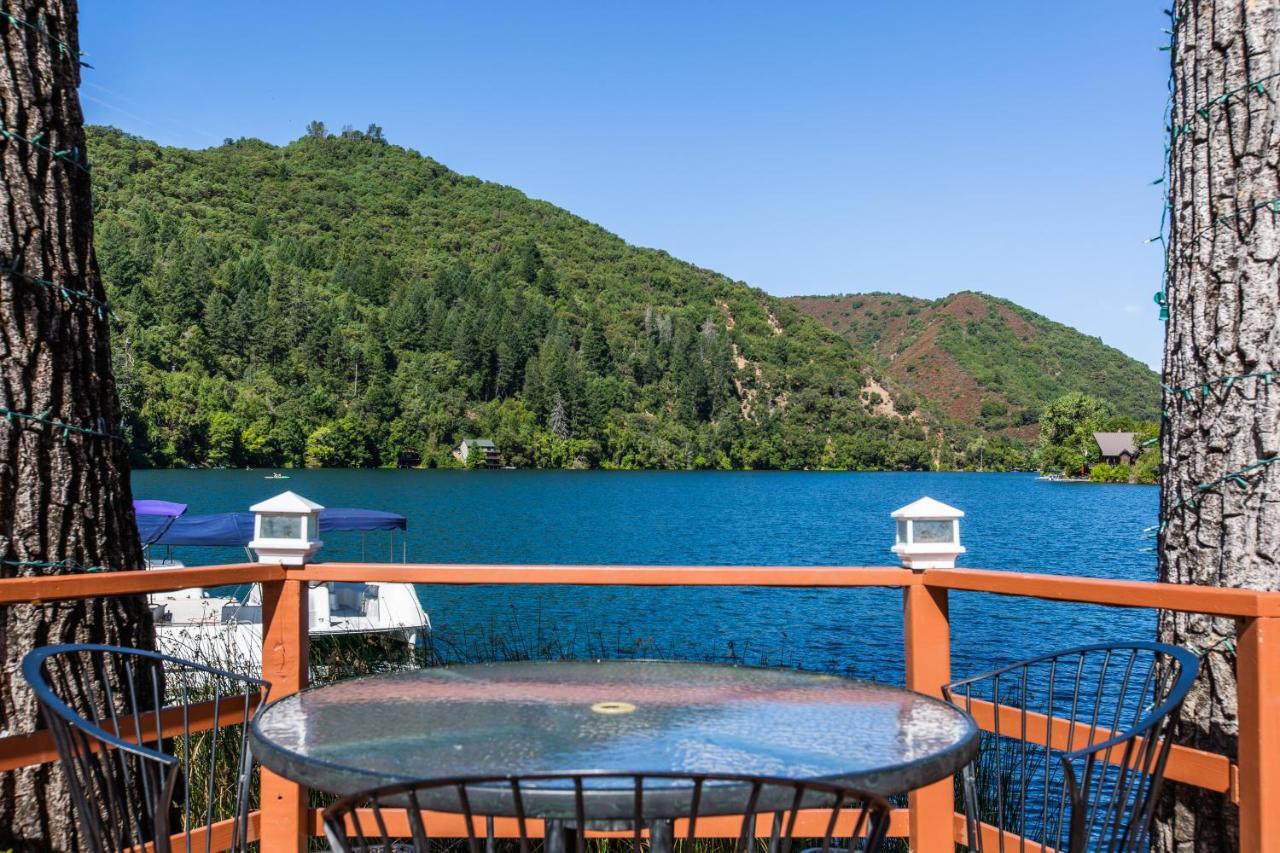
(1256, 87)
(39, 27)
(1204, 111)
(101, 307)
(65, 155)
(56, 424)
(67, 566)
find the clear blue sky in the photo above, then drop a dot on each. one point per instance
(921, 148)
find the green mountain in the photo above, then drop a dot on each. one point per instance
(342, 301)
(985, 361)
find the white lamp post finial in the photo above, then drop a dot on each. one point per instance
(286, 529)
(928, 535)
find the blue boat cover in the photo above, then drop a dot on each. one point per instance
(224, 528)
(236, 528)
(152, 527)
(340, 518)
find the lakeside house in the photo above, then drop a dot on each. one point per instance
(1116, 448)
(492, 458)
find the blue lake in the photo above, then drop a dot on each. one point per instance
(1013, 522)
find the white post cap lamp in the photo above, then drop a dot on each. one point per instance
(928, 535)
(286, 529)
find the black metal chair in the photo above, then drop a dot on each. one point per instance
(626, 805)
(1108, 710)
(137, 776)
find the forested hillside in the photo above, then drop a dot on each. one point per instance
(341, 301)
(985, 361)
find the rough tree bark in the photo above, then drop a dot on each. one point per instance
(1223, 291)
(63, 500)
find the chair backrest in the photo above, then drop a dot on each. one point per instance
(1076, 754)
(630, 806)
(143, 758)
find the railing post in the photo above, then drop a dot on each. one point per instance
(1258, 743)
(927, 629)
(285, 642)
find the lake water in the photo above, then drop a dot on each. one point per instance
(1013, 522)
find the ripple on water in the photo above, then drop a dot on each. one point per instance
(1012, 522)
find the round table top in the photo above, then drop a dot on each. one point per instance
(625, 716)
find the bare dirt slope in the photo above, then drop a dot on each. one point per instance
(982, 360)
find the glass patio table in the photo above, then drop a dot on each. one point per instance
(625, 716)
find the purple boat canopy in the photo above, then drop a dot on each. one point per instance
(166, 509)
(155, 518)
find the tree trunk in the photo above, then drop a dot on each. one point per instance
(1223, 291)
(65, 503)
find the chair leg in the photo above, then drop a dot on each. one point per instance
(661, 836)
(554, 842)
(971, 814)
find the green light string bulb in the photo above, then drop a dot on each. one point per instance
(39, 27)
(1162, 300)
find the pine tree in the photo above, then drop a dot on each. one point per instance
(409, 316)
(595, 350)
(65, 503)
(452, 284)
(504, 379)
(535, 389)
(546, 281)
(1223, 301)
(559, 420)
(435, 336)
(528, 261)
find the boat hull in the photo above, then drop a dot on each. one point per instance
(226, 631)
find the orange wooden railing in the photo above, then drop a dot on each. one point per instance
(1251, 778)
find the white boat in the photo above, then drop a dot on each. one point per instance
(204, 625)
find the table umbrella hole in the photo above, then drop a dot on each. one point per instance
(613, 707)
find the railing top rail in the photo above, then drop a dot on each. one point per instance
(610, 575)
(1184, 598)
(96, 584)
(1217, 601)
(1084, 590)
